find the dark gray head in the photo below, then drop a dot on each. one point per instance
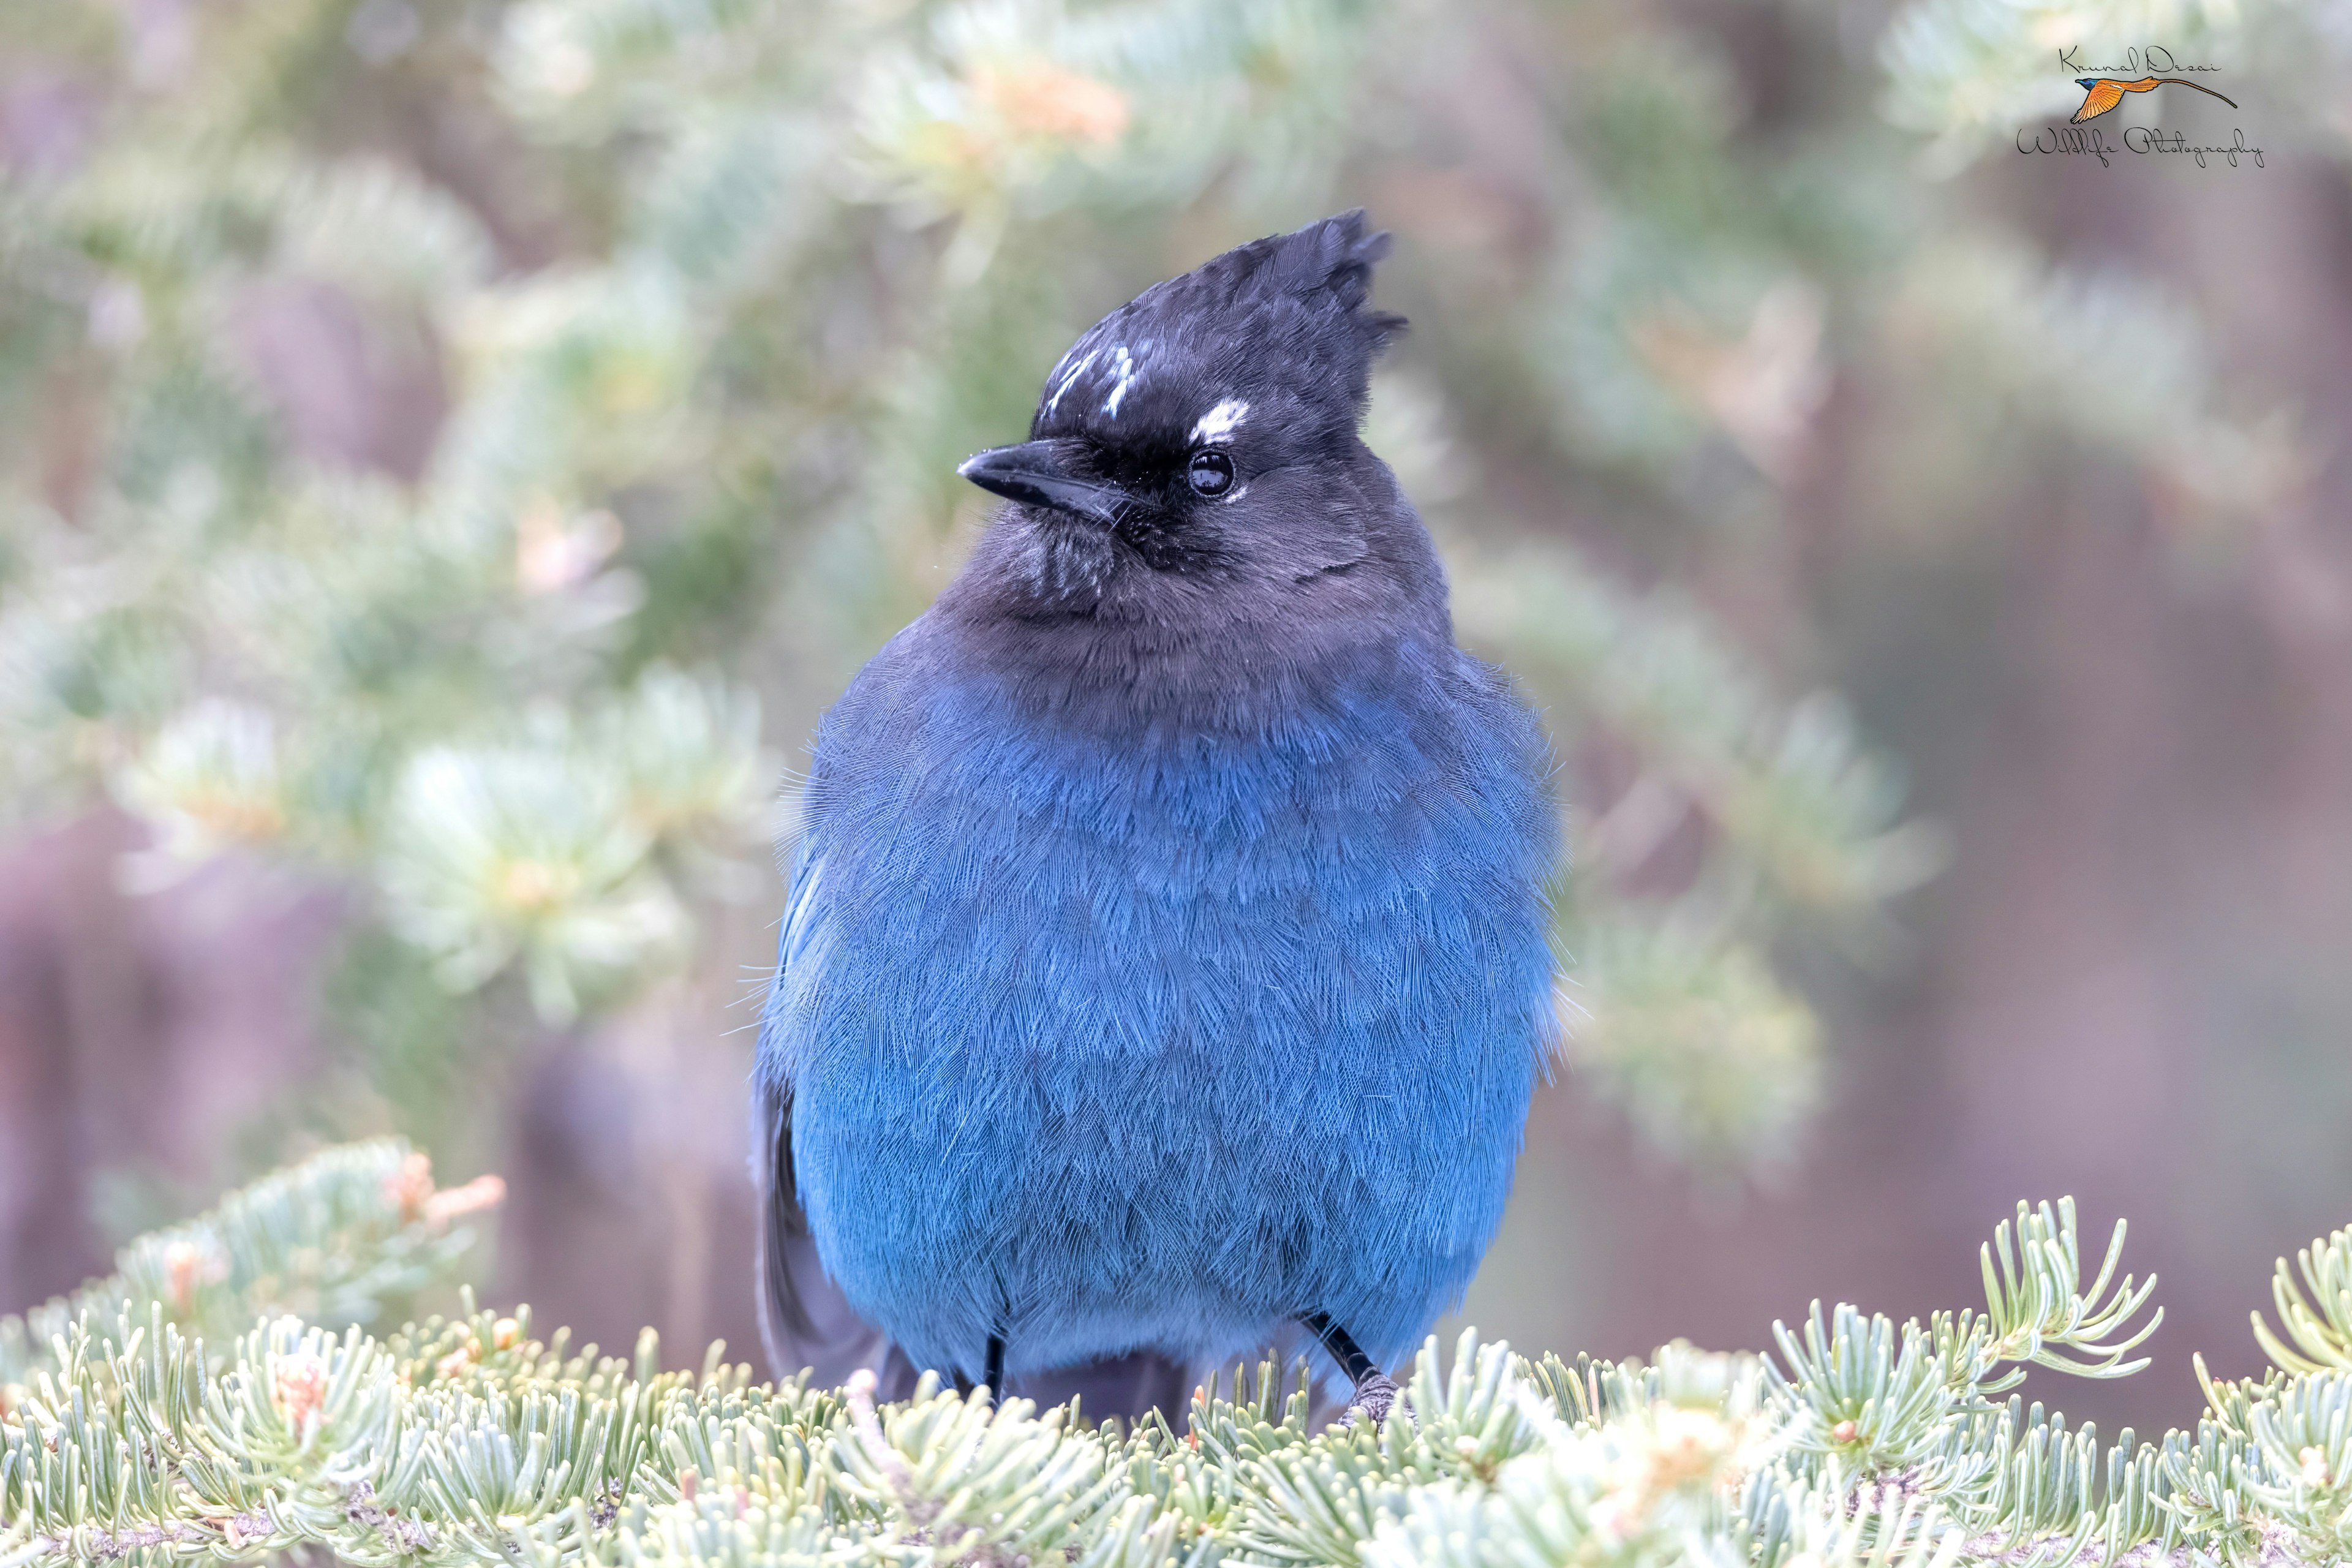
(1195, 457)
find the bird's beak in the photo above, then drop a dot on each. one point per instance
(1037, 473)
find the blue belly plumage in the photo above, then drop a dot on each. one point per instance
(1154, 1036)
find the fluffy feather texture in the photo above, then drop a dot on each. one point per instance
(1166, 951)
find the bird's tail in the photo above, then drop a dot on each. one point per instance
(2184, 81)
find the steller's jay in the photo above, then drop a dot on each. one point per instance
(1165, 966)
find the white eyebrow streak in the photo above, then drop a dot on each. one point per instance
(1125, 370)
(1070, 376)
(1223, 420)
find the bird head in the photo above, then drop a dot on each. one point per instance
(1203, 437)
(2086, 82)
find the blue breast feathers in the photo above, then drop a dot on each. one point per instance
(1156, 1039)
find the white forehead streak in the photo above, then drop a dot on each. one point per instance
(1220, 421)
(1123, 368)
(1070, 376)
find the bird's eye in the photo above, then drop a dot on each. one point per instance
(1211, 473)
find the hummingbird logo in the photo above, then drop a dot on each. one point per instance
(2101, 93)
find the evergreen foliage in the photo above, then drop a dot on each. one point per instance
(148, 1421)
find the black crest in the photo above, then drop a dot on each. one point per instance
(1286, 317)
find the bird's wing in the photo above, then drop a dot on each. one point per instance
(805, 1320)
(2103, 95)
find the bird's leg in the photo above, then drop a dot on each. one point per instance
(1375, 1394)
(991, 1374)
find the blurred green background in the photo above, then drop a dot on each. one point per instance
(451, 450)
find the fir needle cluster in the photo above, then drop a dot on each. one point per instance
(138, 1428)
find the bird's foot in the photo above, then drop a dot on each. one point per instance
(1375, 1398)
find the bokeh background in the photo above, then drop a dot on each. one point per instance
(451, 450)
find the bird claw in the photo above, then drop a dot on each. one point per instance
(1375, 1398)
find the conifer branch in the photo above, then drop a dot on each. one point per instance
(144, 1430)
